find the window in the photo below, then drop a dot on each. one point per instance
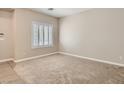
(42, 35)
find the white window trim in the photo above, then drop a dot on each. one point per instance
(42, 46)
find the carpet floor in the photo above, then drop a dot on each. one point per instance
(8, 75)
(62, 69)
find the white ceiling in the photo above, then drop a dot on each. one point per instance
(60, 12)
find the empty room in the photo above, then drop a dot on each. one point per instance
(61, 46)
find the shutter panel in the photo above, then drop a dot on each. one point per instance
(35, 35)
(41, 35)
(50, 35)
(46, 34)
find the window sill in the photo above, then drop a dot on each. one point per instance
(42, 47)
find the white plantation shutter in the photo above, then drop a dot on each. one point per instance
(50, 35)
(42, 35)
(46, 34)
(35, 35)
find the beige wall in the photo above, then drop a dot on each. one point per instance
(22, 31)
(6, 46)
(17, 27)
(97, 33)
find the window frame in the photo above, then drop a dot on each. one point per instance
(32, 36)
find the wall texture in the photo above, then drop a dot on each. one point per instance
(97, 33)
(22, 32)
(6, 46)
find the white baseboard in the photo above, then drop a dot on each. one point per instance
(35, 57)
(6, 60)
(64, 53)
(93, 59)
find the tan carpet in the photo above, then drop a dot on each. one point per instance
(61, 69)
(8, 75)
